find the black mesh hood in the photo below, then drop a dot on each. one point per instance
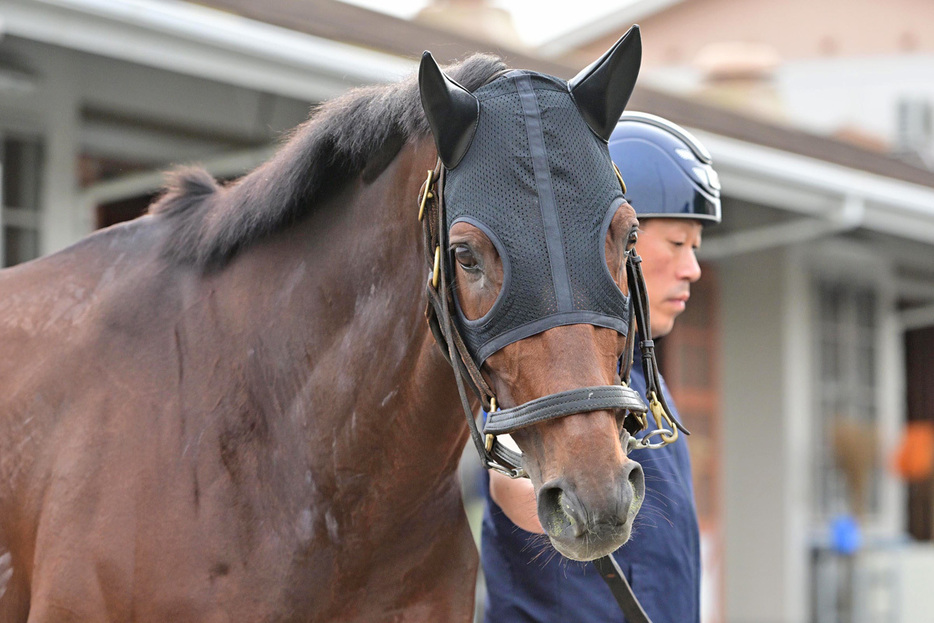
(541, 185)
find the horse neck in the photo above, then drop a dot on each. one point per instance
(339, 345)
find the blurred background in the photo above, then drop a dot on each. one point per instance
(803, 365)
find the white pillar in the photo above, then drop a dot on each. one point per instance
(62, 219)
(762, 551)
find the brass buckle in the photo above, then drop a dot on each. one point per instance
(490, 438)
(641, 416)
(425, 196)
(665, 428)
(511, 472)
(436, 271)
(619, 176)
(662, 421)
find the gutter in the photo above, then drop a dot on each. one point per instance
(832, 198)
(849, 218)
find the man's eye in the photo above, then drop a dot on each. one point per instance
(465, 257)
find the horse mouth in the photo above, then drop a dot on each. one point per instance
(577, 535)
(595, 543)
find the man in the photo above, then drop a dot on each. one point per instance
(675, 191)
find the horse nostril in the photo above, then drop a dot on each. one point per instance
(636, 479)
(558, 511)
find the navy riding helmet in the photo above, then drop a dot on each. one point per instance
(668, 173)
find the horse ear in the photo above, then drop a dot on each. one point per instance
(451, 109)
(602, 90)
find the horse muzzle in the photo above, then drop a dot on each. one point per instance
(586, 528)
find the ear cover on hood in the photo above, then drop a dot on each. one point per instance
(602, 90)
(451, 110)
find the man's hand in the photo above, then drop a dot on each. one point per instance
(517, 499)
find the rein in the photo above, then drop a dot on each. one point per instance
(493, 454)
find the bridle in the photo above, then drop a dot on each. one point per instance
(493, 454)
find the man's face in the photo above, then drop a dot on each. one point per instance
(669, 264)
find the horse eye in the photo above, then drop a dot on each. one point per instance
(631, 241)
(465, 257)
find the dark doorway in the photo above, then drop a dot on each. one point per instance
(919, 364)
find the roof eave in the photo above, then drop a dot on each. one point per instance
(203, 42)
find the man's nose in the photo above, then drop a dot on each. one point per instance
(689, 267)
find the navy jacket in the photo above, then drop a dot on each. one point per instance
(528, 581)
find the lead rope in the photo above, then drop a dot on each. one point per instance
(611, 573)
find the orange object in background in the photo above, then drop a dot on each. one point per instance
(914, 458)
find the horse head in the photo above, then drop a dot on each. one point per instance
(536, 232)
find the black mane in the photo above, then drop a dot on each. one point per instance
(210, 222)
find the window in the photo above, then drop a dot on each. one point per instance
(20, 162)
(848, 470)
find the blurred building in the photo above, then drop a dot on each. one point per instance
(855, 69)
(481, 19)
(817, 284)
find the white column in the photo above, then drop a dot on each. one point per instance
(62, 220)
(757, 507)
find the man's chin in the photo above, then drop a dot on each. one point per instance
(662, 326)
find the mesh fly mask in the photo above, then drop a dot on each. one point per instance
(524, 159)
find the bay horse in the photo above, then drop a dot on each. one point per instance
(232, 408)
